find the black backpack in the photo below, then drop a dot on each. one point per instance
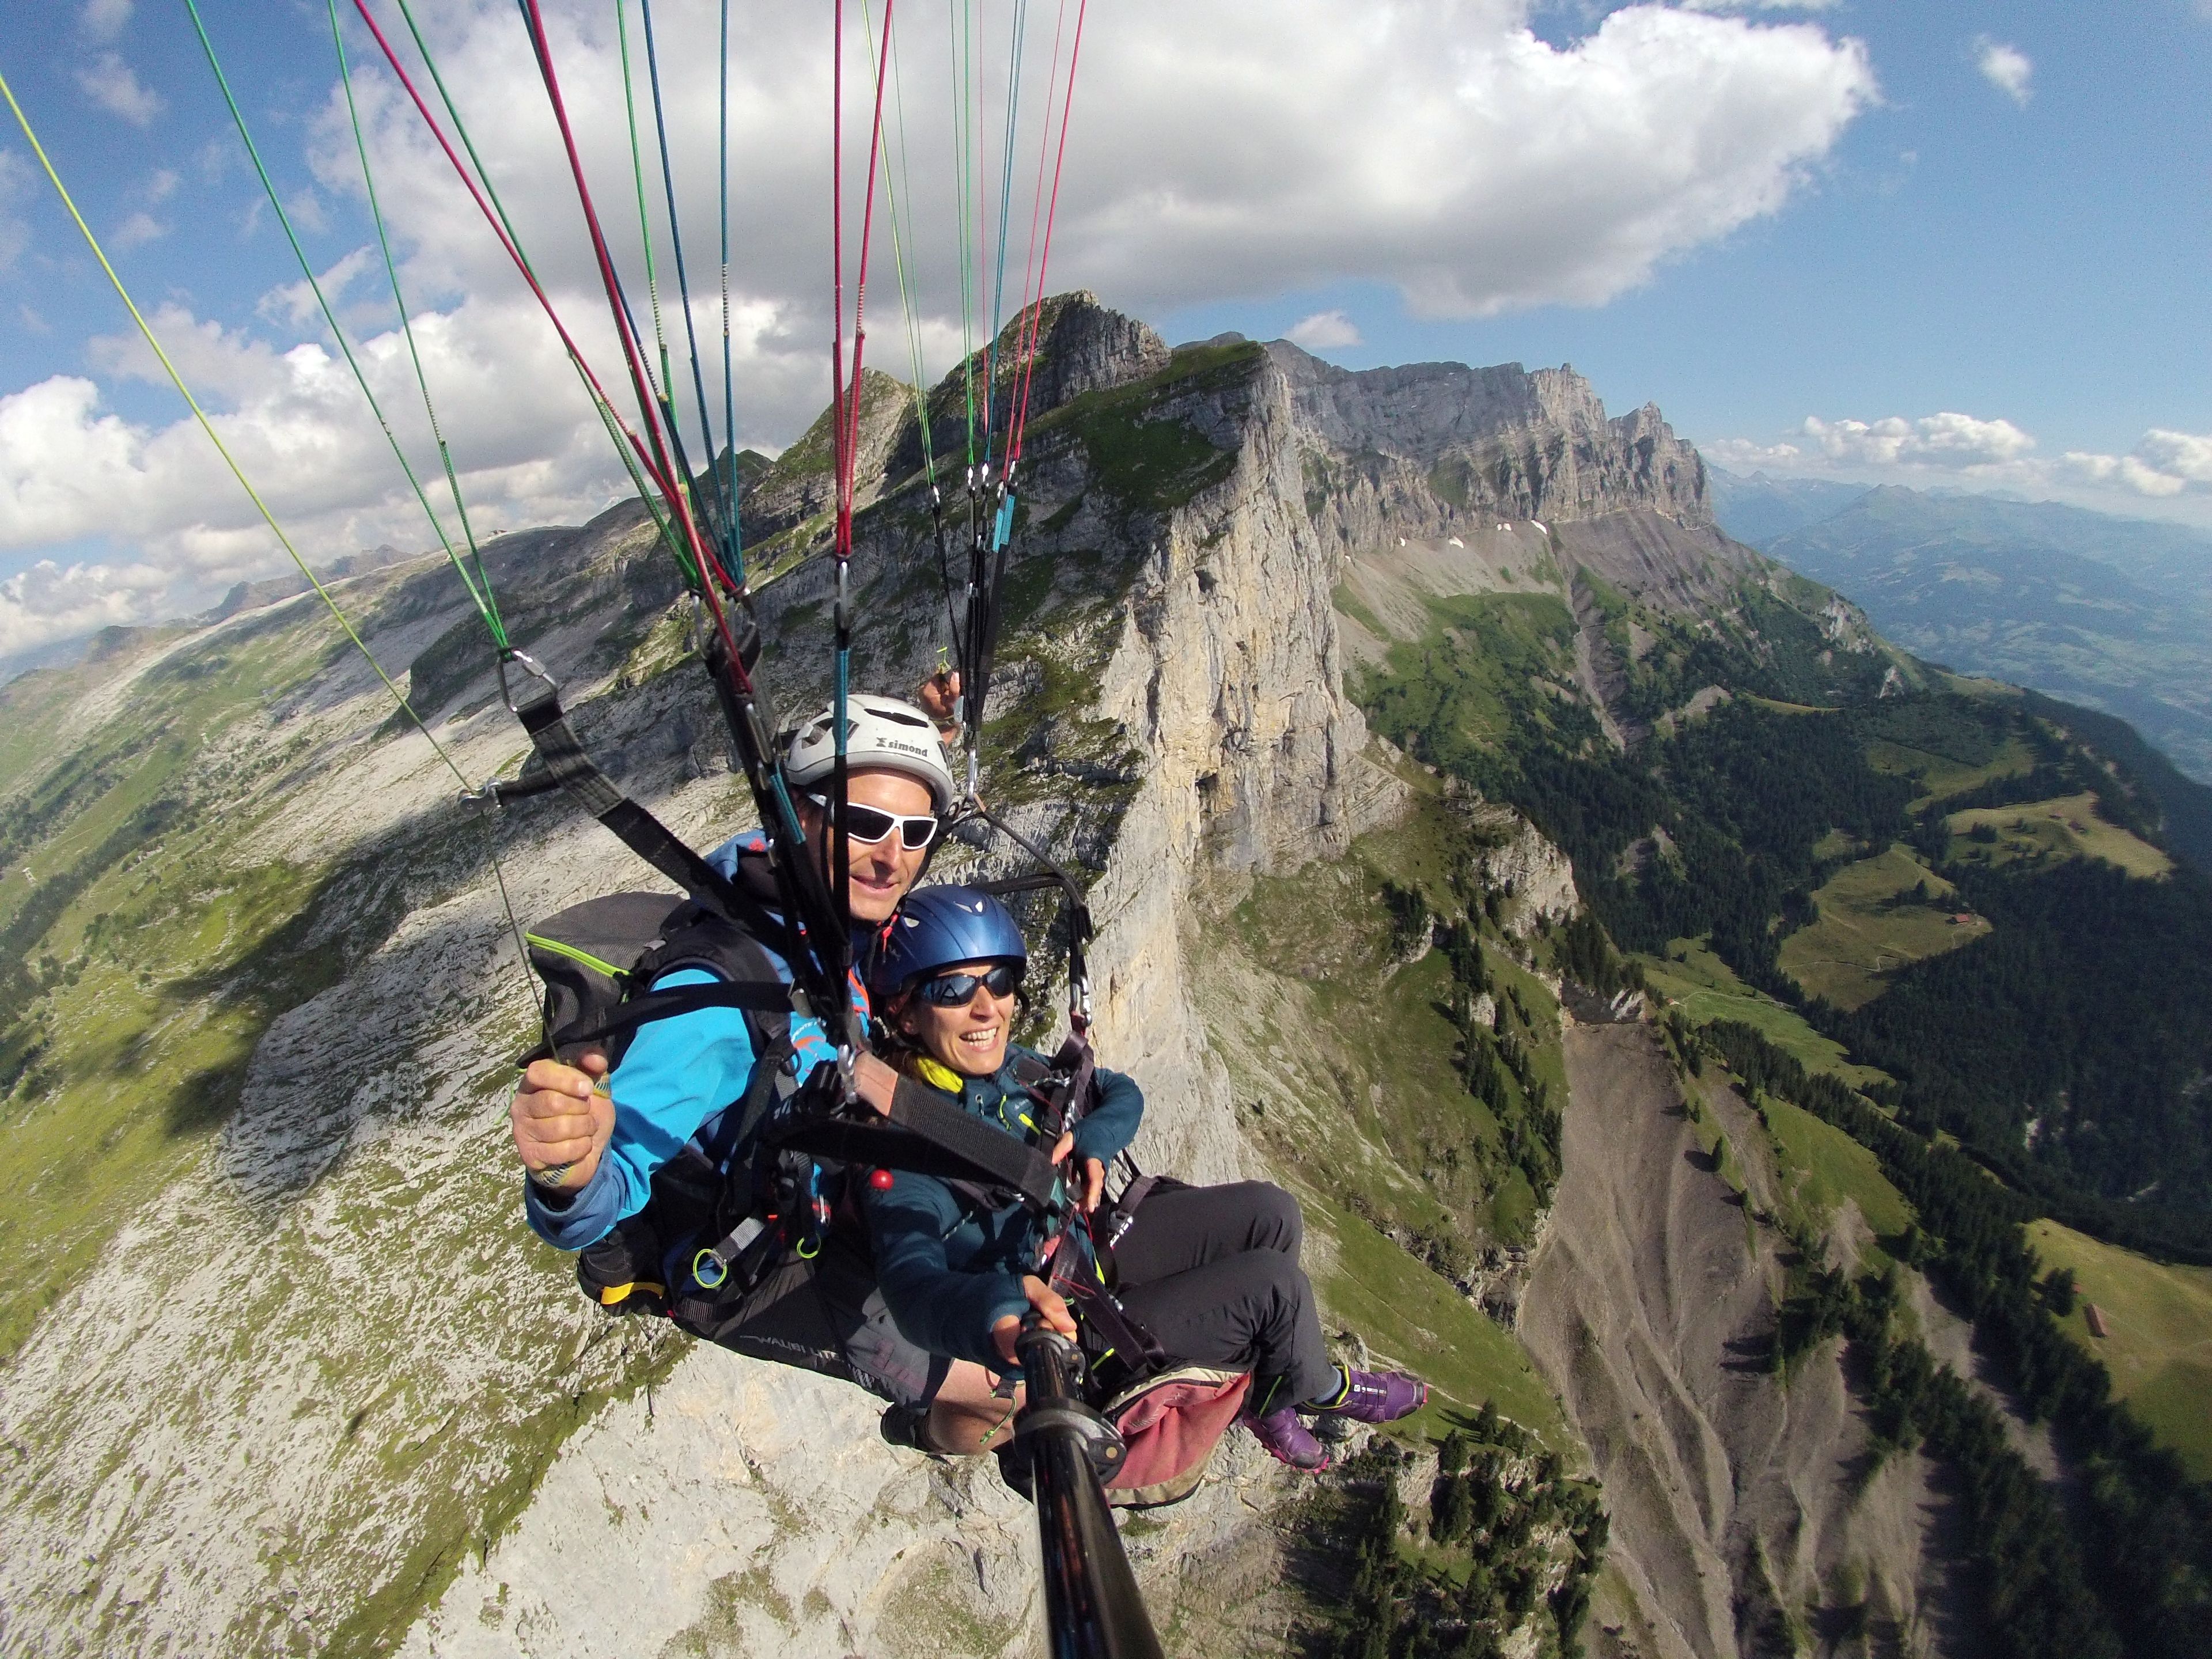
(598, 960)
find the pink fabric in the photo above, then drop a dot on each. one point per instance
(1174, 1428)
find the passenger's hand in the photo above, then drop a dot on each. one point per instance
(1091, 1186)
(1048, 1302)
(563, 1115)
(874, 1082)
(939, 697)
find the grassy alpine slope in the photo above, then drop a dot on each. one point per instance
(1786, 859)
(144, 958)
(2158, 1349)
(2108, 611)
(1350, 1067)
(1874, 916)
(1783, 840)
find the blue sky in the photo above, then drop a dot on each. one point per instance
(2047, 262)
(1968, 242)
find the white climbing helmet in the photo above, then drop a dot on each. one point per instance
(881, 733)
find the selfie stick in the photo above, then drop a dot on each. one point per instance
(1092, 1607)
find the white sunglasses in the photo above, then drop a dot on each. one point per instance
(869, 825)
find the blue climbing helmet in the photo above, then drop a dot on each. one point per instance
(942, 926)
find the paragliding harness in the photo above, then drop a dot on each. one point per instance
(744, 1219)
(1168, 1413)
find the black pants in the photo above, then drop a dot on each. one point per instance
(1212, 1272)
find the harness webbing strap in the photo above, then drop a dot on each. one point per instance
(882, 1145)
(929, 1133)
(567, 766)
(941, 1119)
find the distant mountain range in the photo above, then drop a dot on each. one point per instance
(2115, 613)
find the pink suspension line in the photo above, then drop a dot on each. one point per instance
(1029, 370)
(845, 409)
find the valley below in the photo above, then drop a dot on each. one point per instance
(1573, 907)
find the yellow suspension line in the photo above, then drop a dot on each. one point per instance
(214, 437)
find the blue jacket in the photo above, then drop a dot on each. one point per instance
(950, 1272)
(676, 1078)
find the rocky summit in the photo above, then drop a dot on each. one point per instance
(285, 1373)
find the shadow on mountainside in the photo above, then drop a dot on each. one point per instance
(397, 975)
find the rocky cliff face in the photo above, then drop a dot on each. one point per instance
(1744, 1507)
(1437, 448)
(301, 1383)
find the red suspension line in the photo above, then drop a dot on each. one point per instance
(1026, 328)
(575, 354)
(633, 352)
(1051, 210)
(837, 434)
(852, 444)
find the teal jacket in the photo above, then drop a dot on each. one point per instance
(950, 1270)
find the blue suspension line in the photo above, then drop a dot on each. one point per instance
(676, 240)
(733, 559)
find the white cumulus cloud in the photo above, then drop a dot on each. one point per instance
(51, 601)
(2005, 68)
(2163, 464)
(2183, 455)
(1748, 455)
(1962, 450)
(115, 87)
(136, 231)
(1444, 148)
(1946, 441)
(103, 20)
(1325, 331)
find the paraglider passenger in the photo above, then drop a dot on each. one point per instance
(1211, 1272)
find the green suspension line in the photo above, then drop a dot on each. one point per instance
(407, 328)
(662, 523)
(478, 585)
(644, 222)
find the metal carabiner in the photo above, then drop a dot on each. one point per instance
(531, 667)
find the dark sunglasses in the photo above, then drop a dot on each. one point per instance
(957, 990)
(868, 825)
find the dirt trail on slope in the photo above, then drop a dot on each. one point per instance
(1742, 1519)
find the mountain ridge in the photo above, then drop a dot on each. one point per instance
(198, 1406)
(2110, 612)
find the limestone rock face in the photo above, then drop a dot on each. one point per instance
(802, 482)
(1084, 347)
(1439, 448)
(324, 1389)
(1535, 875)
(1081, 347)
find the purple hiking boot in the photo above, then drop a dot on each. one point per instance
(1286, 1439)
(1378, 1396)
